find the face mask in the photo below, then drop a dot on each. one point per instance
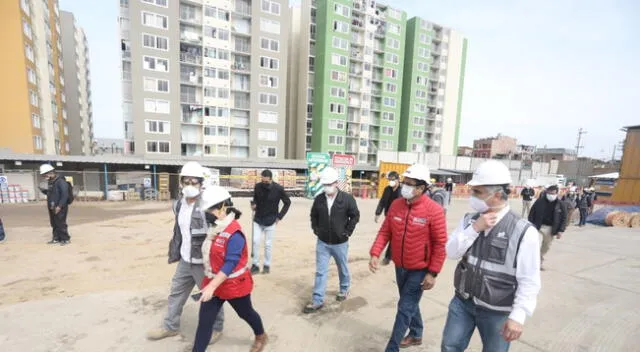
(407, 191)
(393, 183)
(552, 197)
(190, 191)
(478, 204)
(330, 190)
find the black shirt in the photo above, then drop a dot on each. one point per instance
(448, 187)
(547, 218)
(388, 196)
(527, 194)
(267, 199)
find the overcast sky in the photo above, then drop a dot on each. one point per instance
(536, 70)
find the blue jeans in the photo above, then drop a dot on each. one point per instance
(463, 318)
(408, 315)
(324, 252)
(583, 216)
(258, 231)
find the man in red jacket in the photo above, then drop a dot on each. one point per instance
(416, 228)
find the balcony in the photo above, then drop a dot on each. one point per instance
(196, 20)
(376, 107)
(192, 119)
(190, 58)
(242, 47)
(241, 66)
(242, 8)
(190, 99)
(356, 55)
(376, 78)
(353, 134)
(191, 37)
(126, 55)
(376, 92)
(192, 79)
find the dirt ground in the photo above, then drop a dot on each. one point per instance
(106, 289)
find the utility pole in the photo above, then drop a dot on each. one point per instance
(579, 146)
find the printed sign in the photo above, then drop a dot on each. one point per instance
(3, 181)
(147, 182)
(316, 162)
(344, 165)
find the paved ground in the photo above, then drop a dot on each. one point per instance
(109, 286)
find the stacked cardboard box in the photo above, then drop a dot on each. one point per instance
(13, 194)
(243, 178)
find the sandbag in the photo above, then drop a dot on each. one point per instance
(635, 220)
(600, 216)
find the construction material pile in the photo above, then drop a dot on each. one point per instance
(620, 216)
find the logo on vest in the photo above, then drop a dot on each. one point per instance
(421, 221)
(397, 218)
(224, 235)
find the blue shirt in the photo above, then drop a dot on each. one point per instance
(235, 245)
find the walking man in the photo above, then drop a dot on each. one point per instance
(584, 203)
(449, 188)
(189, 232)
(549, 216)
(569, 200)
(334, 216)
(438, 195)
(417, 232)
(497, 279)
(266, 199)
(527, 195)
(391, 193)
(58, 199)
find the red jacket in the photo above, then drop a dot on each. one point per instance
(239, 283)
(417, 232)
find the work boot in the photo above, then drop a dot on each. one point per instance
(265, 269)
(259, 343)
(255, 269)
(342, 296)
(65, 242)
(410, 341)
(53, 242)
(215, 337)
(160, 333)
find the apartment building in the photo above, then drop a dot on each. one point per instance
(500, 146)
(204, 78)
(32, 98)
(77, 89)
(363, 79)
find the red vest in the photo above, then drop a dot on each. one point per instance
(239, 283)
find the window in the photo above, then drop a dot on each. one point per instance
(269, 63)
(387, 130)
(336, 108)
(161, 3)
(152, 63)
(269, 26)
(270, 7)
(268, 81)
(418, 134)
(416, 147)
(215, 53)
(391, 73)
(268, 99)
(33, 98)
(155, 20)
(213, 111)
(156, 85)
(155, 42)
(31, 76)
(391, 87)
(35, 120)
(340, 43)
(26, 28)
(393, 28)
(267, 152)
(37, 142)
(343, 10)
(158, 147)
(423, 52)
(338, 92)
(28, 52)
(338, 76)
(158, 106)
(423, 67)
(216, 33)
(267, 134)
(386, 145)
(219, 131)
(393, 58)
(388, 116)
(424, 39)
(419, 121)
(268, 117)
(216, 13)
(336, 125)
(390, 102)
(420, 108)
(342, 27)
(156, 126)
(421, 94)
(270, 44)
(336, 140)
(338, 59)
(393, 43)
(393, 13)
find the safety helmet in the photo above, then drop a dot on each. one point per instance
(449, 179)
(213, 195)
(328, 176)
(491, 172)
(418, 172)
(192, 169)
(45, 168)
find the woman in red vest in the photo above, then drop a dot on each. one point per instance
(227, 278)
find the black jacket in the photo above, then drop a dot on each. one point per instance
(536, 215)
(527, 194)
(338, 227)
(267, 199)
(388, 196)
(57, 193)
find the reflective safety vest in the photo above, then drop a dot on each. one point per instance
(487, 272)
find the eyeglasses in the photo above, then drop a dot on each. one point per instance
(190, 181)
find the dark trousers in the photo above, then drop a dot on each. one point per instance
(583, 216)
(209, 311)
(59, 224)
(408, 316)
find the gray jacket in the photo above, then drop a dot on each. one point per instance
(199, 229)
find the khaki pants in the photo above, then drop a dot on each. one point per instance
(526, 208)
(547, 238)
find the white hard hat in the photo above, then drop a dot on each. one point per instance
(572, 189)
(491, 172)
(213, 195)
(418, 172)
(449, 179)
(192, 169)
(45, 168)
(328, 176)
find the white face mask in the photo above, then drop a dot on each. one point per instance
(393, 183)
(330, 190)
(552, 197)
(407, 191)
(190, 191)
(478, 204)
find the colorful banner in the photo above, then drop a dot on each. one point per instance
(316, 162)
(344, 165)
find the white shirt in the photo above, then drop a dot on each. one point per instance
(330, 200)
(184, 222)
(527, 269)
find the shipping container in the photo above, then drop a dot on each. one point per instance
(386, 167)
(627, 189)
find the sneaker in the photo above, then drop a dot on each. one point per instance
(53, 242)
(255, 269)
(215, 337)
(312, 308)
(65, 242)
(410, 341)
(265, 269)
(342, 296)
(160, 333)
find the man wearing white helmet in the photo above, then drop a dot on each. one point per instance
(497, 279)
(449, 188)
(59, 197)
(189, 232)
(334, 215)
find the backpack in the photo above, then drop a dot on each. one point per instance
(439, 196)
(70, 189)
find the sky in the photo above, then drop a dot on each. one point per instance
(536, 70)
